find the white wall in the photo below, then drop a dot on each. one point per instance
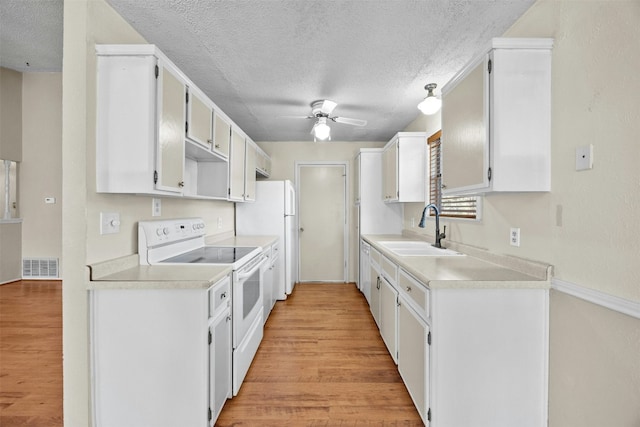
(587, 226)
(285, 154)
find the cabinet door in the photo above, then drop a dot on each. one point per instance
(465, 133)
(375, 295)
(200, 121)
(236, 167)
(221, 135)
(250, 172)
(171, 130)
(220, 364)
(390, 172)
(389, 316)
(413, 356)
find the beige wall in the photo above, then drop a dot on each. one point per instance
(10, 149)
(10, 115)
(595, 242)
(88, 22)
(285, 154)
(40, 170)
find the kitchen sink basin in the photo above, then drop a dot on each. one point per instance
(417, 248)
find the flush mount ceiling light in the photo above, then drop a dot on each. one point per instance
(431, 104)
(321, 129)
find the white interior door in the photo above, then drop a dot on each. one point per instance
(322, 222)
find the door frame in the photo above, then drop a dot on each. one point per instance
(345, 164)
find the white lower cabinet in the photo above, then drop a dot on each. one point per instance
(160, 357)
(413, 355)
(468, 355)
(389, 316)
(374, 304)
(220, 351)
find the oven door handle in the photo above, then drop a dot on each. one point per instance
(242, 275)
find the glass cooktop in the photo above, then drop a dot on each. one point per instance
(211, 255)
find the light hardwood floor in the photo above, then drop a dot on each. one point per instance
(321, 363)
(31, 354)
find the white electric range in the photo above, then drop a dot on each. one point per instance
(182, 241)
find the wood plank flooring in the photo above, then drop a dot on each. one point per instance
(321, 363)
(31, 354)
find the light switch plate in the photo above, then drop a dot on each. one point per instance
(109, 222)
(584, 157)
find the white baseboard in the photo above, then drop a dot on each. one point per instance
(622, 305)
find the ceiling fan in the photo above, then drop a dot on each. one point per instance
(321, 112)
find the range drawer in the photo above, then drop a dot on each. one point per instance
(219, 296)
(417, 293)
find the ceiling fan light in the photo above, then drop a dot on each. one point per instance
(431, 104)
(321, 129)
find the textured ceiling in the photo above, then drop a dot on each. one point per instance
(261, 60)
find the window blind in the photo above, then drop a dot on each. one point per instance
(449, 206)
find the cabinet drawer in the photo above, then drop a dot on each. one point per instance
(417, 293)
(219, 296)
(374, 255)
(390, 270)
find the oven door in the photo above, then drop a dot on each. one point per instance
(247, 297)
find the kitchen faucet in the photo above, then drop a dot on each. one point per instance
(439, 236)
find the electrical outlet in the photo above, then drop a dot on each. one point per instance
(156, 207)
(514, 237)
(413, 222)
(219, 223)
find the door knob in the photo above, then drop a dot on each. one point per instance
(301, 229)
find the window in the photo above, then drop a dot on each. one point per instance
(449, 206)
(8, 193)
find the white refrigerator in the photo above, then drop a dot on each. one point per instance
(273, 213)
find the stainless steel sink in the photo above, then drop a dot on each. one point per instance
(416, 248)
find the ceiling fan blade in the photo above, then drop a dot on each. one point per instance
(348, 121)
(296, 117)
(328, 106)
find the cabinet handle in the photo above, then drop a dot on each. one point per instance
(228, 318)
(181, 184)
(209, 141)
(408, 288)
(443, 186)
(223, 295)
(217, 145)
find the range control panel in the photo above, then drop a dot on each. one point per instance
(161, 232)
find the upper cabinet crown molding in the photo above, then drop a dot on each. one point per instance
(496, 120)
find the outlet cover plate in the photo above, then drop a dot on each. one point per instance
(514, 237)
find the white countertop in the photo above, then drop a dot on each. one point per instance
(127, 273)
(467, 271)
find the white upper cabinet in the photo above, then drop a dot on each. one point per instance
(496, 120)
(200, 118)
(237, 166)
(157, 133)
(221, 134)
(251, 152)
(140, 122)
(171, 119)
(403, 167)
